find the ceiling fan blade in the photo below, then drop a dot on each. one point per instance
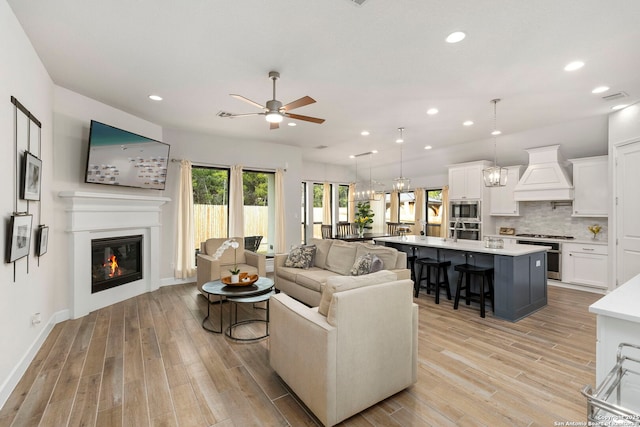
(242, 98)
(305, 118)
(305, 100)
(273, 126)
(231, 115)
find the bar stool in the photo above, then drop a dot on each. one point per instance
(411, 263)
(439, 266)
(471, 270)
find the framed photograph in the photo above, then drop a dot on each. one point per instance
(31, 177)
(19, 237)
(43, 240)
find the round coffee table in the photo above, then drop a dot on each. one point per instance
(260, 291)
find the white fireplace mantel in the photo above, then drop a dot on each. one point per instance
(93, 215)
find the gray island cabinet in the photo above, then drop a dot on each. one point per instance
(520, 271)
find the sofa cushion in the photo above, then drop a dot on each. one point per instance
(322, 250)
(388, 256)
(289, 273)
(365, 264)
(301, 257)
(314, 278)
(341, 257)
(229, 256)
(344, 283)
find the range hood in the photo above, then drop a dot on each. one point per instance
(546, 177)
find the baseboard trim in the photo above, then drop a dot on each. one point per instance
(593, 290)
(18, 371)
(170, 281)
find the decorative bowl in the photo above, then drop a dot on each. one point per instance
(246, 279)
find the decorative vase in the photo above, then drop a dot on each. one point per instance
(594, 236)
(235, 278)
(360, 231)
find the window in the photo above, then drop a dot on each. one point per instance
(303, 212)
(258, 190)
(343, 202)
(210, 203)
(318, 191)
(407, 207)
(434, 212)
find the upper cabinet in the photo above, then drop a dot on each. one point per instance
(465, 180)
(502, 200)
(591, 183)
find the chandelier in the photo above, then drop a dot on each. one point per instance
(495, 176)
(401, 184)
(365, 191)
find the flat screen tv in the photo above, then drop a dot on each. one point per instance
(119, 157)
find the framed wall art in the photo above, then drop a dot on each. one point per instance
(19, 237)
(43, 240)
(31, 177)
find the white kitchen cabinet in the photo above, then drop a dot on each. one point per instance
(591, 186)
(584, 264)
(465, 180)
(502, 200)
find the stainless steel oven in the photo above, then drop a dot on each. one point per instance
(554, 257)
(469, 230)
(465, 210)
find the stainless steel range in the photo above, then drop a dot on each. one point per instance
(554, 255)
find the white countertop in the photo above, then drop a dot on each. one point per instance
(510, 247)
(600, 241)
(621, 303)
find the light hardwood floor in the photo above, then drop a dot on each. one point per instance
(147, 361)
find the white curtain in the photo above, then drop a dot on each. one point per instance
(352, 202)
(444, 222)
(280, 240)
(394, 210)
(185, 248)
(418, 210)
(236, 203)
(326, 203)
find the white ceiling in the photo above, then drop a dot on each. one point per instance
(377, 67)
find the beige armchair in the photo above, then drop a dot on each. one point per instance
(363, 351)
(214, 269)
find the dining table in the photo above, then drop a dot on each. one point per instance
(363, 238)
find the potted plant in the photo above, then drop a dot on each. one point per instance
(364, 217)
(235, 271)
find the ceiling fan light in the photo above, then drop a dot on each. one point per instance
(274, 117)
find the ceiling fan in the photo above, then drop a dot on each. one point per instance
(274, 111)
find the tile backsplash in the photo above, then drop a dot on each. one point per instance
(542, 218)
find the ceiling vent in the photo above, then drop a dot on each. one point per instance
(613, 96)
(224, 114)
(357, 2)
(321, 147)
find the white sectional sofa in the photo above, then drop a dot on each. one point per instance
(332, 258)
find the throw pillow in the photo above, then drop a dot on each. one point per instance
(344, 283)
(365, 264)
(301, 257)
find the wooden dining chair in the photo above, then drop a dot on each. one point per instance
(344, 229)
(326, 231)
(392, 228)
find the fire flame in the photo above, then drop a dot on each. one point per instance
(112, 263)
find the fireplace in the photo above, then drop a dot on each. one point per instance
(115, 261)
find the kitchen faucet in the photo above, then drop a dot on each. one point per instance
(455, 229)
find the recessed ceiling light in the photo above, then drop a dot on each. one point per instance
(619, 107)
(432, 111)
(352, 156)
(292, 124)
(364, 133)
(155, 97)
(496, 132)
(467, 123)
(399, 141)
(575, 65)
(374, 151)
(428, 147)
(600, 89)
(455, 37)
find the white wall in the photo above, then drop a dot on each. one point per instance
(34, 289)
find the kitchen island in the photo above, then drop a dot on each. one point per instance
(520, 271)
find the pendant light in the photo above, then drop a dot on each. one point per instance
(365, 191)
(495, 176)
(401, 184)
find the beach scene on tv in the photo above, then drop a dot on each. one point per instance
(118, 157)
